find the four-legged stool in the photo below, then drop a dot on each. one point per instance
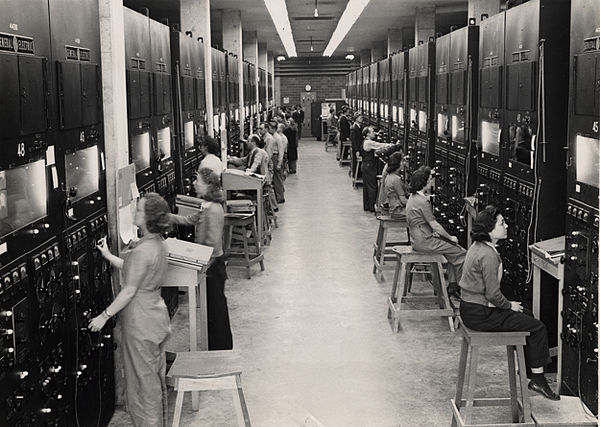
(472, 341)
(407, 259)
(382, 249)
(346, 153)
(242, 228)
(196, 371)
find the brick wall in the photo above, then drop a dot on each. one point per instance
(324, 86)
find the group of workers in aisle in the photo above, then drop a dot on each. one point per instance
(143, 313)
(474, 275)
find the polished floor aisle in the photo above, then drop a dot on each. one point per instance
(313, 330)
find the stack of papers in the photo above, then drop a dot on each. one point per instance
(188, 252)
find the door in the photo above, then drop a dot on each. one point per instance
(306, 100)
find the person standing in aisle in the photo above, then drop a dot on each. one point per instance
(277, 158)
(332, 125)
(300, 121)
(211, 150)
(356, 139)
(264, 132)
(369, 168)
(426, 234)
(344, 125)
(144, 316)
(257, 159)
(285, 142)
(209, 223)
(292, 135)
(484, 308)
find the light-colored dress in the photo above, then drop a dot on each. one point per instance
(145, 322)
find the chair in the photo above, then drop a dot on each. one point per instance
(196, 371)
(472, 342)
(407, 259)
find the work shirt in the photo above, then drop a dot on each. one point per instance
(208, 224)
(332, 123)
(213, 163)
(284, 145)
(419, 213)
(481, 276)
(396, 194)
(277, 150)
(269, 142)
(370, 145)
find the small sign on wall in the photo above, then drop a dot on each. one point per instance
(286, 99)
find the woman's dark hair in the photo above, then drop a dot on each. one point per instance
(156, 213)
(214, 193)
(484, 223)
(419, 178)
(395, 161)
(366, 131)
(212, 146)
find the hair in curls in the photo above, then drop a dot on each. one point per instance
(419, 178)
(214, 193)
(366, 131)
(156, 213)
(484, 223)
(395, 161)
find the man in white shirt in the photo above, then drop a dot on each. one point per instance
(211, 150)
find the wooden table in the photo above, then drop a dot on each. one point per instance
(541, 261)
(234, 179)
(471, 208)
(186, 273)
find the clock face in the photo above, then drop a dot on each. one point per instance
(307, 88)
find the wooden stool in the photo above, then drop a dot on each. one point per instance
(472, 341)
(407, 258)
(345, 157)
(208, 370)
(382, 247)
(242, 228)
(355, 179)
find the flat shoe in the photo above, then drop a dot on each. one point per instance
(544, 391)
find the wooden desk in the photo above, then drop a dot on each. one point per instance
(471, 208)
(234, 179)
(552, 266)
(192, 275)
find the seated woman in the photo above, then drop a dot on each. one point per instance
(426, 234)
(485, 308)
(394, 186)
(209, 223)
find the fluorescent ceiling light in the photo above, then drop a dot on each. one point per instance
(350, 57)
(280, 58)
(353, 10)
(279, 14)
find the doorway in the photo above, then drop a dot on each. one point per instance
(306, 100)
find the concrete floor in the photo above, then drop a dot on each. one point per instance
(313, 329)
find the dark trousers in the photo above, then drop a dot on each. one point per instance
(369, 177)
(219, 329)
(492, 319)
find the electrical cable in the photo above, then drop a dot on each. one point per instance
(468, 125)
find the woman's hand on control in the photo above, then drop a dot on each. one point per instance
(454, 239)
(102, 246)
(97, 323)
(516, 306)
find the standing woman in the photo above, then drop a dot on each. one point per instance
(144, 315)
(369, 168)
(426, 234)
(209, 223)
(485, 308)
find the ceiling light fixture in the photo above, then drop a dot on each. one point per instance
(353, 10)
(280, 58)
(311, 45)
(350, 57)
(316, 9)
(279, 14)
